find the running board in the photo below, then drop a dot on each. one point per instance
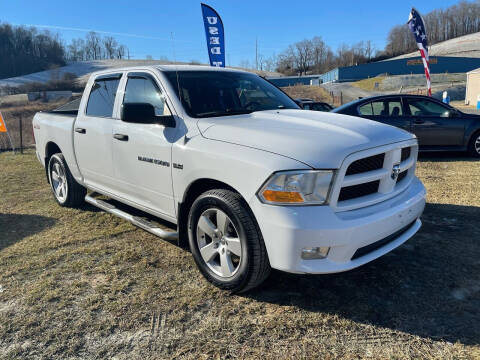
(135, 220)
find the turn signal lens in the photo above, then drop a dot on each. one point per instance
(310, 187)
(282, 196)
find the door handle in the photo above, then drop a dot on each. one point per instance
(81, 130)
(121, 137)
(419, 121)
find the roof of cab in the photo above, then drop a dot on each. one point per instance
(166, 68)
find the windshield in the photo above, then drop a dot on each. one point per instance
(223, 93)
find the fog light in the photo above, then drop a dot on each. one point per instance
(315, 253)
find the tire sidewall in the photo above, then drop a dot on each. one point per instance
(209, 201)
(58, 158)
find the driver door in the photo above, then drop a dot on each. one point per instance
(142, 152)
(432, 124)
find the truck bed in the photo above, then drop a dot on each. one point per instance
(70, 108)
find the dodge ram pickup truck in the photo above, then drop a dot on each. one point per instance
(248, 179)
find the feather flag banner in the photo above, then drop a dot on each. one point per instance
(417, 26)
(215, 36)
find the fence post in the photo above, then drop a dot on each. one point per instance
(21, 133)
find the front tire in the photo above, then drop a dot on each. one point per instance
(226, 242)
(66, 191)
(474, 146)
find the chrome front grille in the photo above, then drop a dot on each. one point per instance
(375, 175)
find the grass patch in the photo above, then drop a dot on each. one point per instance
(24, 111)
(316, 93)
(369, 84)
(85, 284)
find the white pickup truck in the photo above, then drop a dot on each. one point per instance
(250, 181)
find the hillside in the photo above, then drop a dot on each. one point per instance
(84, 68)
(463, 46)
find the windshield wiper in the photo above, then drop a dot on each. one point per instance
(225, 113)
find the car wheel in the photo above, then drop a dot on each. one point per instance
(474, 146)
(66, 190)
(226, 242)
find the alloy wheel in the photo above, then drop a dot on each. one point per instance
(219, 242)
(59, 181)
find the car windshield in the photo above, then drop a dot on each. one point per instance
(223, 93)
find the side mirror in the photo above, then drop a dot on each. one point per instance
(144, 113)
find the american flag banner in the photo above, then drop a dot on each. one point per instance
(417, 26)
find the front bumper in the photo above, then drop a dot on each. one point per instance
(289, 229)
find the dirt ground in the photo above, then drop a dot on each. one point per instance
(85, 284)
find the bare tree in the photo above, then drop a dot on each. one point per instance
(76, 50)
(110, 45)
(93, 46)
(121, 51)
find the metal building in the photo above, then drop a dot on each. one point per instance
(438, 65)
(295, 80)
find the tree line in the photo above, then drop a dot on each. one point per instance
(94, 47)
(315, 56)
(457, 20)
(25, 50)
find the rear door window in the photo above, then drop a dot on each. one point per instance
(102, 97)
(395, 108)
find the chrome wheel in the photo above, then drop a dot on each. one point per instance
(219, 242)
(477, 145)
(58, 179)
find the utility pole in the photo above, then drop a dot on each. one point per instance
(256, 53)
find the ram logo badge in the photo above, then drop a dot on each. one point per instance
(395, 171)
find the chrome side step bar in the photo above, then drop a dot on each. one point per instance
(135, 220)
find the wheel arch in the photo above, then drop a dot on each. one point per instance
(474, 134)
(50, 149)
(194, 190)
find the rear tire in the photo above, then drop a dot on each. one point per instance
(225, 241)
(474, 146)
(66, 191)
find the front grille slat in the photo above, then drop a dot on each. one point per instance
(367, 164)
(355, 191)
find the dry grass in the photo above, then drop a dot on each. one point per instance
(369, 84)
(84, 284)
(22, 110)
(316, 93)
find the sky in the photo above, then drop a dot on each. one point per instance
(147, 27)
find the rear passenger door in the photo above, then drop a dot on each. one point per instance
(92, 134)
(388, 111)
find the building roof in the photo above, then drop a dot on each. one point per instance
(474, 71)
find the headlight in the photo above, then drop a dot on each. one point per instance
(310, 187)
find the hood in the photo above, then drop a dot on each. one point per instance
(318, 139)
